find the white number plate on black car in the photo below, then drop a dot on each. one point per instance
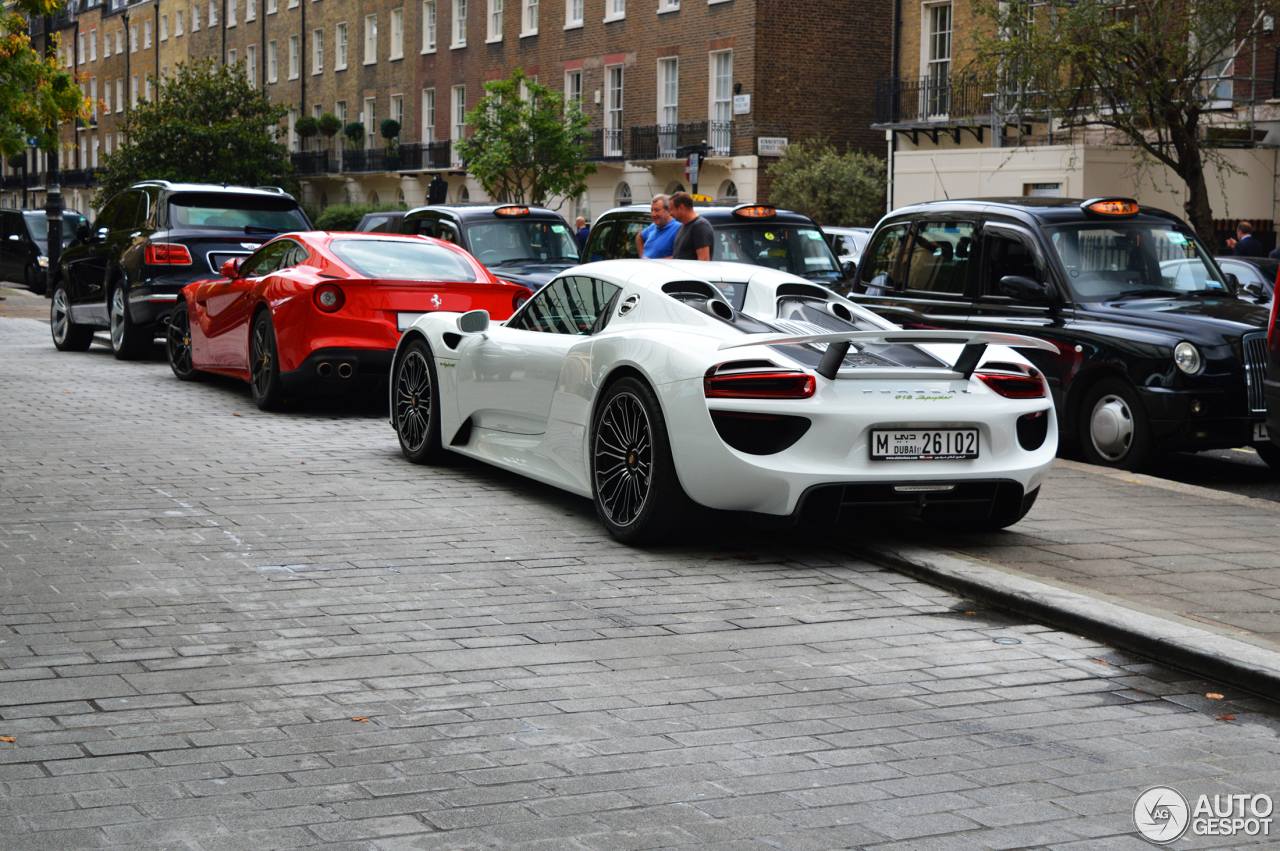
(948, 444)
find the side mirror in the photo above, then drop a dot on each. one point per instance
(848, 269)
(1026, 289)
(474, 322)
(1233, 281)
(15, 238)
(231, 268)
(82, 231)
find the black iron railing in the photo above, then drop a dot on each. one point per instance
(663, 141)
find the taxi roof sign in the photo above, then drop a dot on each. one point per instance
(1111, 207)
(756, 211)
(511, 211)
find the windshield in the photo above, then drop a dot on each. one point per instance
(798, 249)
(1134, 260)
(255, 213)
(39, 226)
(521, 241)
(403, 260)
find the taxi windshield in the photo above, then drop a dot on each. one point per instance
(522, 240)
(39, 225)
(798, 249)
(1128, 259)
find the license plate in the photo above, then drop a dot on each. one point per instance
(404, 320)
(908, 444)
(1259, 432)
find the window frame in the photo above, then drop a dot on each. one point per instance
(340, 46)
(430, 28)
(458, 28)
(370, 40)
(396, 34)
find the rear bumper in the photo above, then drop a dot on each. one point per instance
(340, 370)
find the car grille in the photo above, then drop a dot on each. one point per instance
(1255, 370)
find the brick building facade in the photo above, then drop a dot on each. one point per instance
(652, 76)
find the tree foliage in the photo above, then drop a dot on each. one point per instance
(1149, 71)
(526, 149)
(206, 124)
(831, 188)
(36, 92)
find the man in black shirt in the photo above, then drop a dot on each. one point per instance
(693, 242)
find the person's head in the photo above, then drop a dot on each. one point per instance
(660, 210)
(581, 222)
(682, 207)
(1244, 229)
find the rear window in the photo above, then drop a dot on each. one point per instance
(797, 249)
(403, 260)
(233, 212)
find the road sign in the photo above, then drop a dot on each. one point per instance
(691, 169)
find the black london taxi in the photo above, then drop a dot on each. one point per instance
(24, 245)
(519, 244)
(1155, 351)
(759, 234)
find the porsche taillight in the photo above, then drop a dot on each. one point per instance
(1013, 386)
(167, 254)
(329, 297)
(759, 385)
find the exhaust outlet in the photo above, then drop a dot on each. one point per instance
(324, 370)
(345, 370)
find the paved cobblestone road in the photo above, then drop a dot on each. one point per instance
(221, 629)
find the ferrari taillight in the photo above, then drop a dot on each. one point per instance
(759, 385)
(1271, 326)
(1013, 386)
(329, 297)
(167, 254)
(518, 300)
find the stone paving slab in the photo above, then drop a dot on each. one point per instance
(407, 658)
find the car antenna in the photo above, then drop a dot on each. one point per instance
(940, 183)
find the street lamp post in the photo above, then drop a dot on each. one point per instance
(53, 194)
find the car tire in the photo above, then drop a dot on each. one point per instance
(34, 280)
(264, 365)
(177, 343)
(1270, 453)
(127, 340)
(634, 485)
(1113, 427)
(67, 335)
(415, 404)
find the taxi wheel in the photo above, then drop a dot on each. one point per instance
(1113, 427)
(35, 280)
(67, 335)
(264, 366)
(415, 404)
(177, 343)
(1269, 453)
(634, 485)
(127, 341)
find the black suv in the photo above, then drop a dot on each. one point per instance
(1155, 351)
(748, 233)
(24, 245)
(124, 272)
(523, 245)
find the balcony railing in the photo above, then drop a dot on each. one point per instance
(922, 99)
(664, 141)
(601, 145)
(432, 156)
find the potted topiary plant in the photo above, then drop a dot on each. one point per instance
(390, 130)
(307, 127)
(354, 133)
(329, 125)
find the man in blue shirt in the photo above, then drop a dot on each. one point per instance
(656, 240)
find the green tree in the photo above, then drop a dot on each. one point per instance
(526, 149)
(36, 92)
(1148, 71)
(207, 124)
(831, 188)
(330, 125)
(307, 127)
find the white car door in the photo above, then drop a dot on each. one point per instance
(507, 379)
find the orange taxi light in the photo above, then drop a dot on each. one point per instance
(760, 211)
(1113, 207)
(511, 211)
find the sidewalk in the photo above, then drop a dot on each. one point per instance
(1184, 575)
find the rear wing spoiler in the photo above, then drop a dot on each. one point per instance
(975, 344)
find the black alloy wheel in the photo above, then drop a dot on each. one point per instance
(67, 335)
(635, 488)
(415, 405)
(264, 365)
(178, 343)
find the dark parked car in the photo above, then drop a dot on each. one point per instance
(148, 242)
(1255, 276)
(24, 245)
(748, 233)
(524, 245)
(387, 221)
(1156, 352)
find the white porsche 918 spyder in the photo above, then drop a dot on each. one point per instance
(654, 386)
